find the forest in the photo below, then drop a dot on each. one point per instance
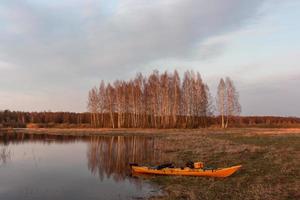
(154, 101)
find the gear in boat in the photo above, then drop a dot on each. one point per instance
(191, 169)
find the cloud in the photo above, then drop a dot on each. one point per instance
(6, 66)
(73, 44)
(272, 96)
(137, 33)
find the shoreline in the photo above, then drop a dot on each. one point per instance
(151, 131)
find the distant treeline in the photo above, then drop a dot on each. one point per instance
(15, 119)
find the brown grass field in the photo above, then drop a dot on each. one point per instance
(270, 159)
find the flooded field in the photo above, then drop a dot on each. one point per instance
(68, 167)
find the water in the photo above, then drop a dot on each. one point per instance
(67, 167)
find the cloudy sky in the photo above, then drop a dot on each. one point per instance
(53, 51)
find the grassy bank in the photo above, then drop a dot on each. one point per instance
(270, 159)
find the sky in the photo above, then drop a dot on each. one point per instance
(53, 51)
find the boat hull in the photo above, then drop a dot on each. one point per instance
(221, 172)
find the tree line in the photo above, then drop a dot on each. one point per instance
(18, 119)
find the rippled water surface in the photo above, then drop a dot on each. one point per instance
(67, 167)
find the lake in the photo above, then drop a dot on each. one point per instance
(41, 166)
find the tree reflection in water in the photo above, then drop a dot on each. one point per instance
(4, 155)
(110, 155)
(107, 156)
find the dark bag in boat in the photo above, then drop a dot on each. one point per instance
(167, 165)
(190, 164)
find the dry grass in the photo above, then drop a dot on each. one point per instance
(270, 159)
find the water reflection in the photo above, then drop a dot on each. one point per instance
(95, 167)
(4, 155)
(111, 156)
(106, 155)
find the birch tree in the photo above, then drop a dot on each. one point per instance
(101, 102)
(221, 101)
(138, 108)
(154, 97)
(233, 106)
(110, 102)
(175, 96)
(164, 100)
(186, 97)
(92, 105)
(210, 107)
(118, 98)
(201, 99)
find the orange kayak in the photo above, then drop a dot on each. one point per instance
(219, 172)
